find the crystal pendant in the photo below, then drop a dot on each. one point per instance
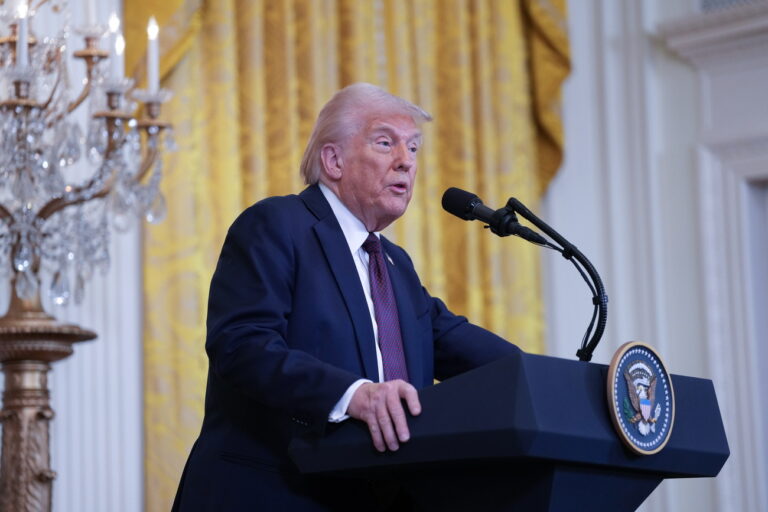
(72, 143)
(79, 288)
(95, 142)
(59, 289)
(23, 187)
(5, 245)
(121, 199)
(157, 210)
(121, 203)
(133, 140)
(85, 271)
(22, 259)
(26, 285)
(122, 221)
(118, 133)
(54, 181)
(69, 145)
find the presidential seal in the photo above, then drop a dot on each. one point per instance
(640, 398)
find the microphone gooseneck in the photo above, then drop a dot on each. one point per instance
(503, 222)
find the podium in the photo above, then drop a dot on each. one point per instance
(527, 432)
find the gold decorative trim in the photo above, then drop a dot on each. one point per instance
(26, 478)
(30, 340)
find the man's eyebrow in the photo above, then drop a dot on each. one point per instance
(384, 128)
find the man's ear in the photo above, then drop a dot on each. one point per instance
(330, 154)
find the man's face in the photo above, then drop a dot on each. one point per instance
(378, 167)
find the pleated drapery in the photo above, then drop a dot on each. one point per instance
(249, 78)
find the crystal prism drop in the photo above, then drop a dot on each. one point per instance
(95, 142)
(157, 210)
(26, 285)
(72, 144)
(122, 221)
(121, 199)
(54, 181)
(59, 289)
(85, 270)
(5, 245)
(79, 288)
(23, 187)
(93, 155)
(22, 259)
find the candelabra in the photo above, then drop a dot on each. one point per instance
(62, 189)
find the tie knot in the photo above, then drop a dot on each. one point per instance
(372, 244)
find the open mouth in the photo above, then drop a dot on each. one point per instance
(401, 188)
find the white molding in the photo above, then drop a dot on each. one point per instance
(711, 35)
(730, 340)
(733, 150)
(729, 50)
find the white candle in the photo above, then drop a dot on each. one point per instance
(22, 35)
(114, 23)
(90, 13)
(116, 48)
(153, 60)
(117, 57)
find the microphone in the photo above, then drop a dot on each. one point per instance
(465, 205)
(503, 222)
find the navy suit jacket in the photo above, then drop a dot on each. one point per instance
(288, 332)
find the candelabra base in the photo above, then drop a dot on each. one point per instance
(29, 341)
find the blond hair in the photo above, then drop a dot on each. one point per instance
(345, 114)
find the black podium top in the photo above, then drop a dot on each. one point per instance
(529, 407)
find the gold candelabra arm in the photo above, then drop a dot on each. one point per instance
(5, 215)
(152, 127)
(40, 4)
(79, 197)
(147, 162)
(50, 98)
(78, 194)
(91, 54)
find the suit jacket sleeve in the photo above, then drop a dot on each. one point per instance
(248, 313)
(461, 346)
(457, 346)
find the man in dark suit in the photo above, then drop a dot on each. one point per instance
(314, 318)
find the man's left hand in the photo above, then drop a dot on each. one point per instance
(379, 405)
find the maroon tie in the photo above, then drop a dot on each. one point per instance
(385, 311)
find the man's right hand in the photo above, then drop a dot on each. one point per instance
(379, 406)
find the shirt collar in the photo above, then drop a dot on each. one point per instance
(353, 229)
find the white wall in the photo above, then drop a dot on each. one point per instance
(637, 193)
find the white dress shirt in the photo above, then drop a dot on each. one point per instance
(355, 234)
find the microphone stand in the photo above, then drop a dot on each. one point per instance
(571, 253)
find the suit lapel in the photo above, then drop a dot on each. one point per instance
(409, 331)
(343, 268)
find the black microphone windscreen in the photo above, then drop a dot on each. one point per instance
(460, 203)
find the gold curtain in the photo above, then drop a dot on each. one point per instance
(249, 78)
